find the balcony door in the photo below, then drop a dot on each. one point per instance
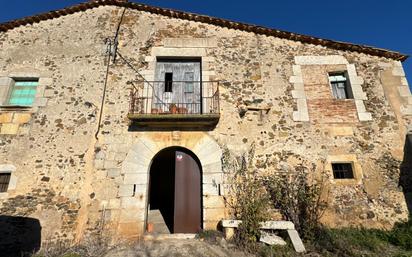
(177, 87)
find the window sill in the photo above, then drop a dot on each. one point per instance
(19, 108)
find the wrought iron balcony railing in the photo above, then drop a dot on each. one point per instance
(177, 97)
(178, 100)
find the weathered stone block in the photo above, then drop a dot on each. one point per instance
(217, 214)
(213, 201)
(112, 173)
(6, 117)
(131, 215)
(126, 190)
(9, 129)
(21, 118)
(138, 178)
(133, 202)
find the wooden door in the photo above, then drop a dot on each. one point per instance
(177, 82)
(187, 211)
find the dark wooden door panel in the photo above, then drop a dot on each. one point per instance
(187, 211)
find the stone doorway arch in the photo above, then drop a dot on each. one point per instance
(136, 169)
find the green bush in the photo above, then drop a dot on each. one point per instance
(401, 235)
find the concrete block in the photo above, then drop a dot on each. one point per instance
(6, 117)
(126, 190)
(296, 241)
(21, 118)
(9, 129)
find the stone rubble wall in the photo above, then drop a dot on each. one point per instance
(84, 182)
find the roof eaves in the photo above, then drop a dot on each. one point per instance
(338, 45)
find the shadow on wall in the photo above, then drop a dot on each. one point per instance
(405, 179)
(19, 236)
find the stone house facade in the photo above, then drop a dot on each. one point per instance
(79, 141)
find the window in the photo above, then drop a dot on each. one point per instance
(4, 181)
(342, 170)
(340, 85)
(168, 81)
(23, 92)
(189, 78)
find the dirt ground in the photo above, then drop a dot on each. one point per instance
(177, 247)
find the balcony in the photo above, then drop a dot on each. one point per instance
(177, 104)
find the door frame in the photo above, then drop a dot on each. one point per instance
(150, 184)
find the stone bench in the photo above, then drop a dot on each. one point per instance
(230, 225)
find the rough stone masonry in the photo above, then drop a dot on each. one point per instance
(74, 183)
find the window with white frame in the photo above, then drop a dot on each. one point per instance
(340, 85)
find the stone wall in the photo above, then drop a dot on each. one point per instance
(85, 182)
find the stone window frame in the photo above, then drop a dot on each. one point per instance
(345, 158)
(298, 92)
(41, 97)
(9, 168)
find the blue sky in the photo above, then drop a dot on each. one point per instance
(383, 24)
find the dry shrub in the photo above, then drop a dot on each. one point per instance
(298, 198)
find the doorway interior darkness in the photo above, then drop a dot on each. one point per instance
(175, 196)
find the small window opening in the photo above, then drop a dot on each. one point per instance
(342, 170)
(23, 92)
(168, 81)
(4, 182)
(340, 85)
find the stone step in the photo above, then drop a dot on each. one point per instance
(155, 217)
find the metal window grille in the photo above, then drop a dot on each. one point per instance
(342, 170)
(4, 181)
(23, 93)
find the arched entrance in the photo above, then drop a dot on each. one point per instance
(175, 195)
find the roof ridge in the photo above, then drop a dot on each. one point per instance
(257, 29)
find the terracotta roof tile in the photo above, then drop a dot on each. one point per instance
(206, 19)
